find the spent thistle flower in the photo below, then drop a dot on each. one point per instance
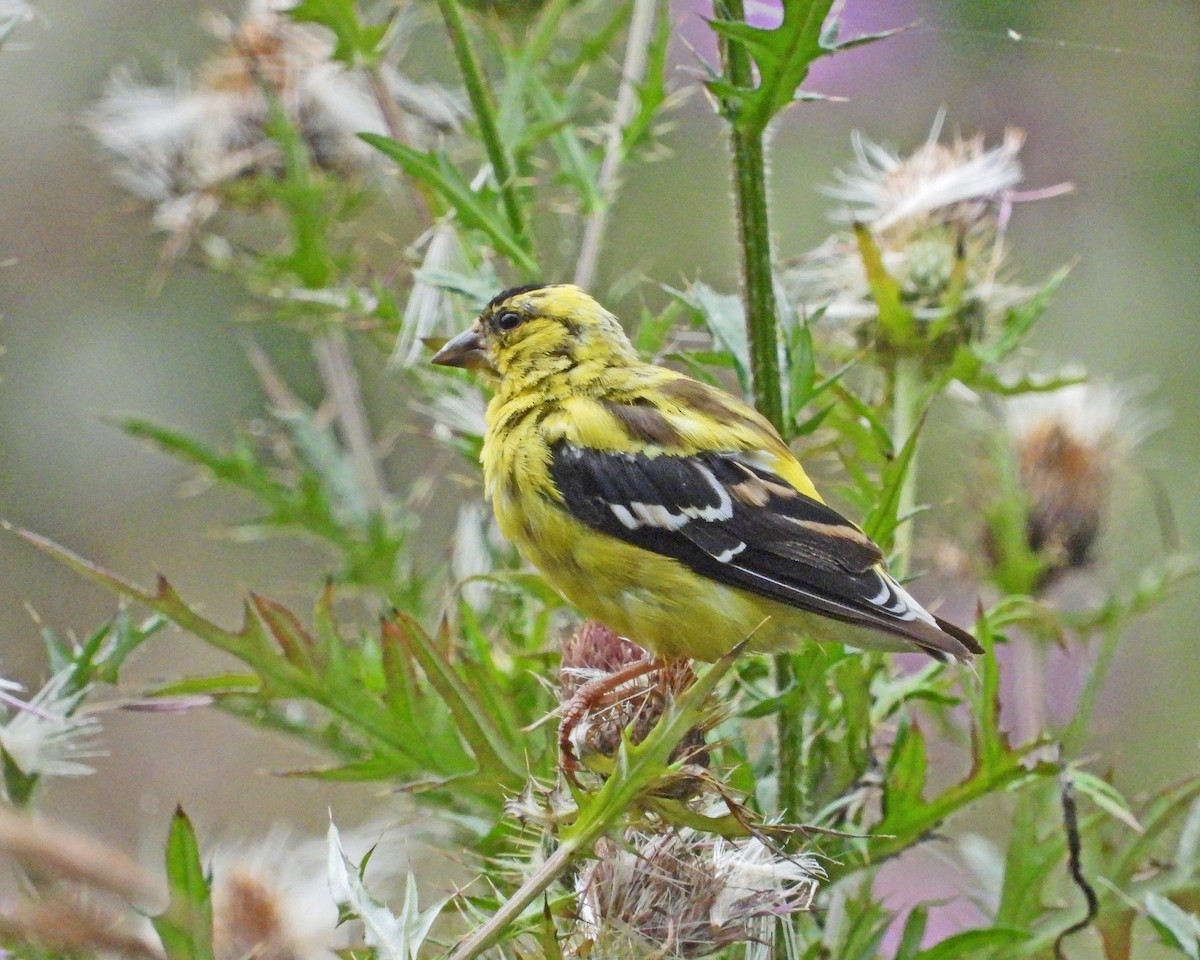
(47, 736)
(594, 652)
(1067, 445)
(271, 900)
(937, 217)
(685, 894)
(182, 145)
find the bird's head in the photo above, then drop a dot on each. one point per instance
(537, 329)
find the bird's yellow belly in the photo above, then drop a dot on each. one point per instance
(653, 600)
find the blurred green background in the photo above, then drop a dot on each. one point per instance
(1106, 90)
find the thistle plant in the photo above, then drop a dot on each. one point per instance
(742, 808)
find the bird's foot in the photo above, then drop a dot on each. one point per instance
(588, 697)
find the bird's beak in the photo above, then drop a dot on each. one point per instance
(465, 350)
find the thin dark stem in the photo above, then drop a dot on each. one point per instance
(485, 115)
(1075, 868)
(758, 291)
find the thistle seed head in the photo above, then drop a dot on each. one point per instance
(1068, 444)
(938, 217)
(182, 145)
(684, 894)
(594, 651)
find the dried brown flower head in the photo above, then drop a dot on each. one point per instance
(594, 651)
(1067, 446)
(684, 894)
(250, 920)
(180, 146)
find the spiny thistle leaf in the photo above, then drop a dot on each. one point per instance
(392, 937)
(357, 43)
(782, 55)
(473, 207)
(186, 926)
(474, 723)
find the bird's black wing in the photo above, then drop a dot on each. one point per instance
(730, 519)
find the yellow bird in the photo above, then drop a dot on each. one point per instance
(668, 510)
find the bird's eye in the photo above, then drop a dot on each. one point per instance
(508, 320)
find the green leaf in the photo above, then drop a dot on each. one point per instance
(392, 937)
(653, 330)
(340, 693)
(782, 55)
(1176, 927)
(1020, 321)
(652, 92)
(356, 43)
(186, 926)
(896, 322)
(1104, 795)
(285, 627)
(474, 207)
(914, 933)
(907, 768)
(963, 945)
(724, 316)
(474, 722)
(1187, 851)
(881, 523)
(1031, 856)
(1158, 816)
(221, 683)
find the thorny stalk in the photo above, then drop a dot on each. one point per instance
(633, 72)
(489, 933)
(758, 291)
(485, 114)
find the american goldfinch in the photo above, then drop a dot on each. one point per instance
(665, 508)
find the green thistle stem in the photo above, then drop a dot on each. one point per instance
(485, 116)
(906, 412)
(758, 291)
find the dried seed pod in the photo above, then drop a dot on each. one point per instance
(1067, 445)
(685, 894)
